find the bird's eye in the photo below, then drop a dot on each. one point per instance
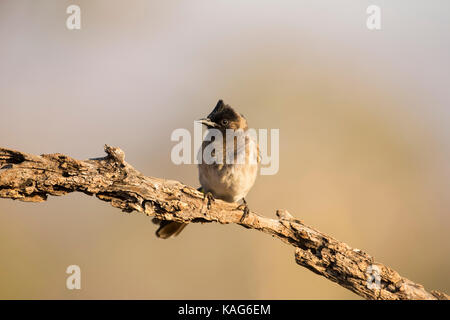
(224, 122)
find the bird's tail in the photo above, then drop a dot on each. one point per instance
(168, 229)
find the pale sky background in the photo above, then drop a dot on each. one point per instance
(364, 119)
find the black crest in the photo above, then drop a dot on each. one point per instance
(220, 106)
(223, 111)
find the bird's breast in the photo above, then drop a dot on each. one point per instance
(229, 181)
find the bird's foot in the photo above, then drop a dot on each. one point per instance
(208, 197)
(244, 207)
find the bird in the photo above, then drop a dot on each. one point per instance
(229, 171)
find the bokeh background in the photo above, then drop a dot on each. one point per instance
(364, 123)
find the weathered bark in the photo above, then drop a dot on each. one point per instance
(32, 178)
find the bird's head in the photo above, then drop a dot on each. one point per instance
(224, 117)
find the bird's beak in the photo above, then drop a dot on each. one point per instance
(207, 122)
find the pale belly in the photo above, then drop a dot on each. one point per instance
(228, 182)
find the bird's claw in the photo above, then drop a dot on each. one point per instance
(210, 198)
(244, 207)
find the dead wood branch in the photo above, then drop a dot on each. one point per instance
(32, 178)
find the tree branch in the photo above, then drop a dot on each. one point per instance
(32, 178)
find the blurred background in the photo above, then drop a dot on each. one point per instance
(364, 123)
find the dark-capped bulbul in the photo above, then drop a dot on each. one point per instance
(232, 171)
